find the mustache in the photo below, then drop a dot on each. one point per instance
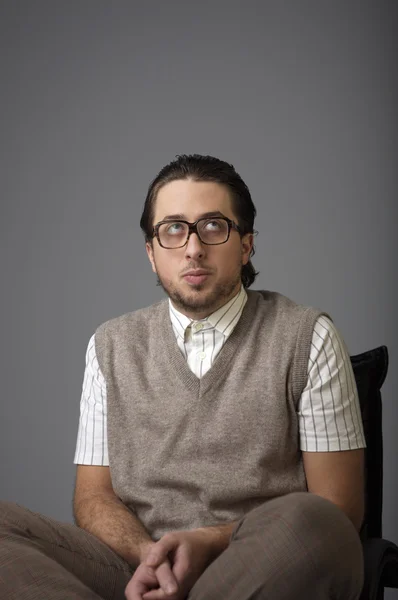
(195, 267)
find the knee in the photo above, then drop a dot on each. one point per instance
(317, 520)
(299, 507)
(317, 517)
(329, 537)
(14, 518)
(314, 529)
(313, 510)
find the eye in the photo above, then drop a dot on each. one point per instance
(213, 225)
(175, 228)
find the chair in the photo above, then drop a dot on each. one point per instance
(380, 556)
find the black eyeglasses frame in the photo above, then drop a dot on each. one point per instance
(193, 228)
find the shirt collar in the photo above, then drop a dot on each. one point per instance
(223, 319)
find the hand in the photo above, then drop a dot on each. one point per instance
(147, 578)
(187, 552)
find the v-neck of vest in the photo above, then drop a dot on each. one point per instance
(222, 361)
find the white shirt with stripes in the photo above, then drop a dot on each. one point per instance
(328, 409)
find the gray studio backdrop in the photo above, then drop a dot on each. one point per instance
(96, 97)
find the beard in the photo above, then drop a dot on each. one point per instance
(195, 301)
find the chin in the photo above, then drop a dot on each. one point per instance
(196, 296)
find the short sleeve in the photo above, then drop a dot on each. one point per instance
(92, 442)
(329, 411)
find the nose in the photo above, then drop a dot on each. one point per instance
(194, 248)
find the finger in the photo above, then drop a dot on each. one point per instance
(160, 595)
(160, 550)
(156, 595)
(142, 581)
(181, 563)
(166, 579)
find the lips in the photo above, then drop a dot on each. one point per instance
(196, 272)
(196, 276)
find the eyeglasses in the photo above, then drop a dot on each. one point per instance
(210, 231)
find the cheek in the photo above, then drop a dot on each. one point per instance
(231, 257)
(167, 266)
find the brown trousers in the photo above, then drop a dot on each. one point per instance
(295, 546)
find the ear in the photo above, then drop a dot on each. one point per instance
(246, 246)
(149, 251)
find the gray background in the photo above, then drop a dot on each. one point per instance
(96, 97)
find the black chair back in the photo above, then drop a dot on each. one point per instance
(370, 370)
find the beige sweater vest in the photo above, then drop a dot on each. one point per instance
(187, 452)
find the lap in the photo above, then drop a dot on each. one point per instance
(291, 541)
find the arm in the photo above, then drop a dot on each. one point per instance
(218, 537)
(338, 477)
(331, 431)
(96, 506)
(98, 510)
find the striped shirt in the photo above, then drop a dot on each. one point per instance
(328, 410)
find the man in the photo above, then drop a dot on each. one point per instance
(220, 444)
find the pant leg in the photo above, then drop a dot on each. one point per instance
(41, 559)
(295, 546)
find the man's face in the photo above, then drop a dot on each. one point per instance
(222, 263)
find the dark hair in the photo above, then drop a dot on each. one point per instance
(205, 168)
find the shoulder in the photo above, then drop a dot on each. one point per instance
(327, 338)
(284, 308)
(289, 328)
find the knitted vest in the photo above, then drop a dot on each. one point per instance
(187, 452)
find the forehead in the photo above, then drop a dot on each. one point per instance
(191, 199)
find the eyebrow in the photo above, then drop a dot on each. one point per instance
(213, 213)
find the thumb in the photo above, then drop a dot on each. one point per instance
(159, 552)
